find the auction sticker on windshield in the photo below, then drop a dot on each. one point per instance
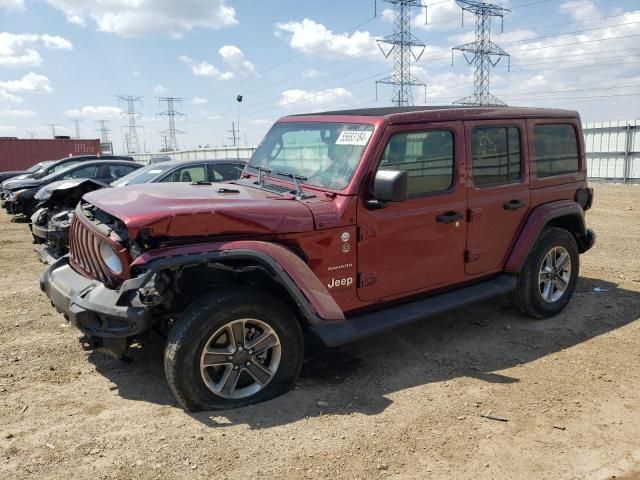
(354, 137)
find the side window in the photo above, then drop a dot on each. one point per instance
(86, 172)
(187, 174)
(114, 172)
(224, 172)
(496, 155)
(427, 156)
(556, 150)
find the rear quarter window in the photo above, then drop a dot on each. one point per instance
(556, 149)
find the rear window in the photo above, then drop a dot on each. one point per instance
(556, 150)
(496, 155)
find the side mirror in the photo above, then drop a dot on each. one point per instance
(391, 186)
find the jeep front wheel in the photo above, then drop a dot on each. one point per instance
(233, 348)
(548, 279)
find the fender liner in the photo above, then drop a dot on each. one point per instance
(536, 222)
(311, 296)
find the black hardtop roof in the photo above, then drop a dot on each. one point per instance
(196, 160)
(442, 112)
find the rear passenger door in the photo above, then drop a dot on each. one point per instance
(498, 191)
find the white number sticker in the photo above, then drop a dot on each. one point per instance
(354, 137)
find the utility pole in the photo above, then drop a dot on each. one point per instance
(104, 131)
(405, 47)
(53, 129)
(76, 124)
(171, 142)
(482, 53)
(131, 129)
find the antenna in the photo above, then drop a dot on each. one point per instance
(482, 53)
(169, 139)
(131, 129)
(404, 46)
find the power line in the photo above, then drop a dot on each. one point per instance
(486, 54)
(169, 136)
(132, 143)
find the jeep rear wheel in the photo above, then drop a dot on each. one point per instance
(233, 348)
(548, 278)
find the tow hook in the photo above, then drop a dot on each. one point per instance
(89, 343)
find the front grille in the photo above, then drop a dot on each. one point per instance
(84, 252)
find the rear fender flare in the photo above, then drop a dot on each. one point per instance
(538, 219)
(314, 301)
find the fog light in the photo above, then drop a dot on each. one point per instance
(110, 258)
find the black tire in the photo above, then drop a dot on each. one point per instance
(206, 315)
(527, 296)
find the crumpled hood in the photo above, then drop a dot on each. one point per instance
(62, 186)
(182, 209)
(13, 184)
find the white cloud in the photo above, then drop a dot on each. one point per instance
(310, 73)
(310, 37)
(16, 5)
(12, 112)
(234, 57)
(204, 68)
(159, 89)
(8, 97)
(132, 18)
(30, 83)
(198, 100)
(387, 15)
(19, 50)
(94, 112)
(314, 99)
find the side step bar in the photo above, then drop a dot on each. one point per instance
(334, 334)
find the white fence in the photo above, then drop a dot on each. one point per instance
(613, 151)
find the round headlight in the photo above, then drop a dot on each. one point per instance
(110, 258)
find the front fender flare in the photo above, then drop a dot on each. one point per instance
(538, 219)
(315, 302)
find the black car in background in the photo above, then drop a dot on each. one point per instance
(18, 196)
(57, 201)
(24, 173)
(52, 166)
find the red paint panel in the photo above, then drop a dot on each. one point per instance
(539, 217)
(20, 154)
(320, 299)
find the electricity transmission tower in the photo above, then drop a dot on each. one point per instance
(482, 53)
(76, 124)
(104, 131)
(31, 133)
(53, 129)
(405, 47)
(169, 136)
(131, 129)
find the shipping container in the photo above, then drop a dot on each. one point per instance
(20, 154)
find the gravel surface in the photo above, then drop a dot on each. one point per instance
(478, 393)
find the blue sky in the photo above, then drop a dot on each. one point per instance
(62, 59)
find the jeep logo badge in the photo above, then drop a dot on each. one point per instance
(340, 282)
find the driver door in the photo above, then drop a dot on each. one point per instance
(418, 244)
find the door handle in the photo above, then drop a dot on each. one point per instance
(513, 205)
(449, 217)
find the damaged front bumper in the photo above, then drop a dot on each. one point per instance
(49, 231)
(108, 318)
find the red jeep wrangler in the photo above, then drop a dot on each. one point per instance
(345, 224)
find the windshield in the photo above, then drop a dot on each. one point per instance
(143, 175)
(39, 166)
(321, 154)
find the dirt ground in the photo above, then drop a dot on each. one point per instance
(408, 404)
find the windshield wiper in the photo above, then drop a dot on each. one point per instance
(299, 193)
(261, 172)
